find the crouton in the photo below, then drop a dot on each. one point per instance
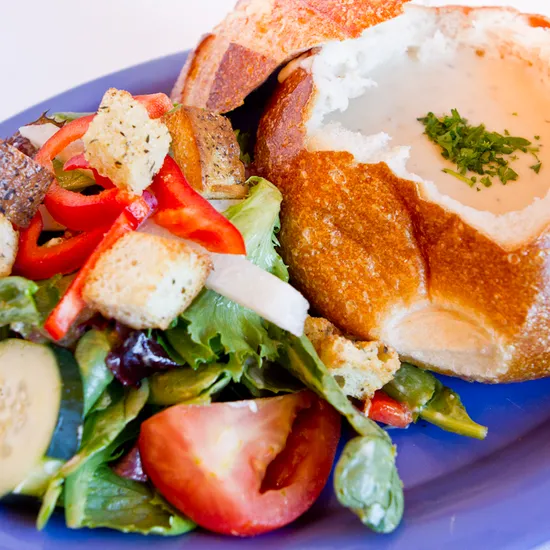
(124, 144)
(23, 185)
(206, 149)
(360, 368)
(146, 281)
(9, 241)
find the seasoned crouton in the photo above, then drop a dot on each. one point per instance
(318, 329)
(8, 246)
(360, 368)
(146, 281)
(206, 149)
(124, 144)
(23, 185)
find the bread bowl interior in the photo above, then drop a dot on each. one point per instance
(493, 66)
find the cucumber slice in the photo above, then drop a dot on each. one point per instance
(30, 398)
(68, 431)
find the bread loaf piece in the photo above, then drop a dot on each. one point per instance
(261, 35)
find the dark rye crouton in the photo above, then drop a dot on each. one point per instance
(23, 185)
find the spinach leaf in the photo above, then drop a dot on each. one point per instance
(447, 411)
(270, 378)
(186, 384)
(367, 482)
(91, 353)
(96, 497)
(368, 461)
(101, 429)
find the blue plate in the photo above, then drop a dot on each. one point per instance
(460, 493)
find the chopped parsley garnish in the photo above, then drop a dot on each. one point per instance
(475, 149)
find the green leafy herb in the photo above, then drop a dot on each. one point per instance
(213, 325)
(536, 167)
(474, 149)
(96, 497)
(91, 353)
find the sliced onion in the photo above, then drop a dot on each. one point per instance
(243, 282)
(38, 134)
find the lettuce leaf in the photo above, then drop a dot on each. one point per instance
(73, 180)
(17, 304)
(90, 354)
(101, 429)
(214, 325)
(97, 497)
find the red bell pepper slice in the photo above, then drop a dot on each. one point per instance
(388, 411)
(42, 262)
(62, 138)
(79, 162)
(156, 104)
(72, 304)
(85, 212)
(185, 213)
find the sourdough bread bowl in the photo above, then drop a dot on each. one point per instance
(378, 238)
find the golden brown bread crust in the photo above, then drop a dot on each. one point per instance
(360, 242)
(206, 149)
(260, 35)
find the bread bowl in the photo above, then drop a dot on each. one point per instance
(386, 254)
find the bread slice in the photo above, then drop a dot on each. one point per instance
(259, 36)
(384, 251)
(360, 368)
(206, 149)
(9, 242)
(23, 185)
(146, 281)
(124, 144)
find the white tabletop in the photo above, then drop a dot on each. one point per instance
(49, 47)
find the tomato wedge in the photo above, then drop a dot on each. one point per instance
(388, 411)
(242, 468)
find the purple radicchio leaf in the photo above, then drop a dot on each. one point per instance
(137, 358)
(129, 466)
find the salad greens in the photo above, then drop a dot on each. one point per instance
(73, 180)
(366, 478)
(17, 304)
(188, 385)
(101, 429)
(430, 400)
(91, 353)
(215, 348)
(213, 322)
(96, 497)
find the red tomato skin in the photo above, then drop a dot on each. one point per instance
(241, 503)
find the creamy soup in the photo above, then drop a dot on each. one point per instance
(503, 94)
